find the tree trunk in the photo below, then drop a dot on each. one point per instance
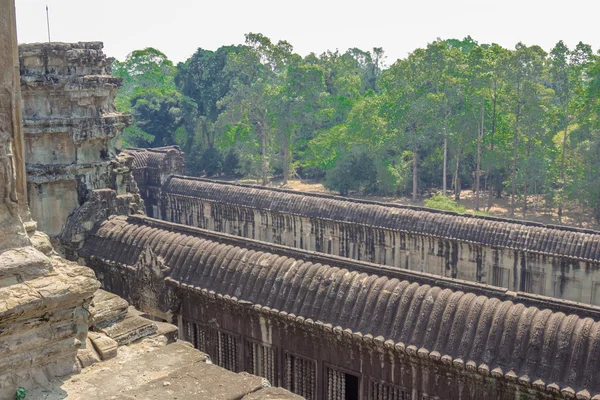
(415, 175)
(478, 169)
(286, 159)
(457, 177)
(525, 175)
(562, 166)
(514, 168)
(525, 195)
(491, 176)
(263, 143)
(444, 184)
(535, 198)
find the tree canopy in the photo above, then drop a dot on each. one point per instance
(455, 114)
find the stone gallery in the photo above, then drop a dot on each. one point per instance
(525, 256)
(334, 328)
(327, 297)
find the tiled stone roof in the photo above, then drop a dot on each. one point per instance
(549, 349)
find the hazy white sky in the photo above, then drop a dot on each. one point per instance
(179, 27)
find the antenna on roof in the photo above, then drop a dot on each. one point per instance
(48, 22)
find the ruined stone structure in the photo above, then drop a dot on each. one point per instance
(43, 299)
(151, 169)
(328, 327)
(385, 326)
(523, 256)
(72, 137)
(53, 319)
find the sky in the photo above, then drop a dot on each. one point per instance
(179, 27)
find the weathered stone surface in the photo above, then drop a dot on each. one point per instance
(12, 174)
(106, 309)
(72, 137)
(104, 346)
(43, 301)
(87, 356)
(43, 322)
(152, 370)
(135, 366)
(41, 242)
(22, 263)
(169, 331)
(202, 381)
(130, 329)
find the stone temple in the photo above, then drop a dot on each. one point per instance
(61, 337)
(320, 296)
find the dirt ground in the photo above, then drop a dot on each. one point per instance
(537, 210)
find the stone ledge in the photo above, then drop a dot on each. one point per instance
(104, 346)
(23, 263)
(106, 309)
(68, 285)
(132, 328)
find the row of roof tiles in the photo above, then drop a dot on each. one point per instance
(549, 348)
(572, 243)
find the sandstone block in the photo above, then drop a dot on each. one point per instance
(169, 331)
(106, 309)
(129, 330)
(88, 356)
(105, 346)
(20, 264)
(41, 242)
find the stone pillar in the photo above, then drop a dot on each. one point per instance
(18, 141)
(13, 194)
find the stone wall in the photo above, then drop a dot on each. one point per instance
(523, 256)
(322, 325)
(72, 138)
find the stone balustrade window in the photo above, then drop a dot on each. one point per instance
(300, 376)
(384, 391)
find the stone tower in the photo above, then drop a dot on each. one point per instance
(75, 176)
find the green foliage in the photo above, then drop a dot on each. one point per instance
(231, 163)
(352, 171)
(20, 394)
(455, 113)
(134, 136)
(441, 202)
(158, 114)
(143, 69)
(212, 162)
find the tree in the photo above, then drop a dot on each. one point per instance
(147, 74)
(205, 78)
(353, 170)
(249, 102)
(144, 69)
(483, 116)
(159, 114)
(566, 73)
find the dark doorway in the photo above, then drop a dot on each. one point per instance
(352, 387)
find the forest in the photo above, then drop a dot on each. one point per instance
(516, 123)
